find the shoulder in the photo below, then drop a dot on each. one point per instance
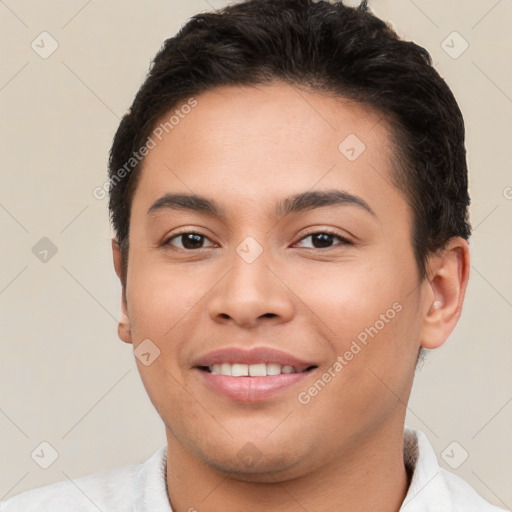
(92, 492)
(432, 487)
(112, 490)
(463, 495)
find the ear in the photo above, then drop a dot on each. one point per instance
(446, 288)
(123, 328)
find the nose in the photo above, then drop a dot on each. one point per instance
(251, 293)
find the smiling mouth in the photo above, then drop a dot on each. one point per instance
(253, 370)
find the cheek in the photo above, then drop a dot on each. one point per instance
(368, 315)
(161, 304)
(368, 379)
(343, 299)
(161, 297)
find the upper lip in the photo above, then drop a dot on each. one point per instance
(256, 355)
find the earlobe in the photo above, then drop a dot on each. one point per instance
(446, 285)
(123, 327)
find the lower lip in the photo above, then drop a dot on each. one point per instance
(251, 389)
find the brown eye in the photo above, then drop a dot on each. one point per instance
(324, 239)
(189, 240)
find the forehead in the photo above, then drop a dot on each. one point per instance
(254, 144)
(285, 121)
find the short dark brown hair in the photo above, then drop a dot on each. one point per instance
(321, 46)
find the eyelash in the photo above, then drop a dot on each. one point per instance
(344, 241)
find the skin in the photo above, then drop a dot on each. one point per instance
(247, 148)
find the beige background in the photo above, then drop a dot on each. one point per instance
(66, 378)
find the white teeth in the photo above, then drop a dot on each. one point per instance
(258, 370)
(273, 369)
(239, 370)
(225, 369)
(253, 370)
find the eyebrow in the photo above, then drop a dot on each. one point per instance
(293, 204)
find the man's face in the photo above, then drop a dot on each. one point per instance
(279, 281)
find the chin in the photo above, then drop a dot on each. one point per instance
(267, 468)
(256, 461)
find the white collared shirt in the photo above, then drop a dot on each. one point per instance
(142, 487)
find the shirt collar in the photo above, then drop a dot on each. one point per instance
(421, 461)
(419, 458)
(151, 483)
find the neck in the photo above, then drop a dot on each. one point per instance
(371, 476)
